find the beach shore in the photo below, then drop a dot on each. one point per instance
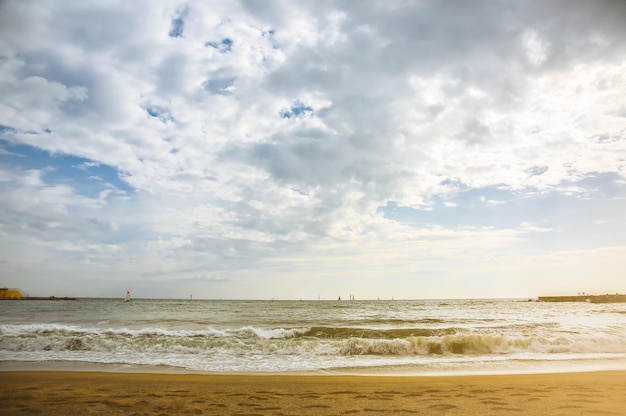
(80, 393)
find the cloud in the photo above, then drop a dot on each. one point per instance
(215, 140)
(536, 47)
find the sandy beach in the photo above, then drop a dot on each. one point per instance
(79, 393)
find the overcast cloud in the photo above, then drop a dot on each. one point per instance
(259, 149)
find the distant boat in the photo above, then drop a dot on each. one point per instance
(127, 298)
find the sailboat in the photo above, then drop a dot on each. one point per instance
(127, 298)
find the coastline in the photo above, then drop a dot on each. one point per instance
(89, 392)
(456, 369)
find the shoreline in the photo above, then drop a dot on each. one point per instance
(503, 368)
(88, 392)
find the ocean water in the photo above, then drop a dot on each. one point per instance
(417, 337)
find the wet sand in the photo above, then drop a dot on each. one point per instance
(81, 393)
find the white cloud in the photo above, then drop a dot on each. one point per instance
(535, 47)
(257, 134)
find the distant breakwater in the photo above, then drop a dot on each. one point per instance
(617, 298)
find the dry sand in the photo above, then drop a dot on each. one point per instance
(80, 393)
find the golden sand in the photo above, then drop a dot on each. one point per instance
(80, 393)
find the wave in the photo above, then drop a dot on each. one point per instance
(314, 341)
(480, 344)
(355, 332)
(242, 333)
(614, 311)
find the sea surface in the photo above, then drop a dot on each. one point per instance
(412, 337)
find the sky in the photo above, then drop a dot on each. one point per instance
(291, 149)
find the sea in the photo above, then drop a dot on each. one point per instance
(362, 337)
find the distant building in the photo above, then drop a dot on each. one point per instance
(10, 293)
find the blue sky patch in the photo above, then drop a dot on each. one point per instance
(6, 129)
(567, 214)
(297, 109)
(178, 24)
(471, 208)
(88, 177)
(161, 113)
(226, 45)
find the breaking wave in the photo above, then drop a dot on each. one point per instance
(293, 341)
